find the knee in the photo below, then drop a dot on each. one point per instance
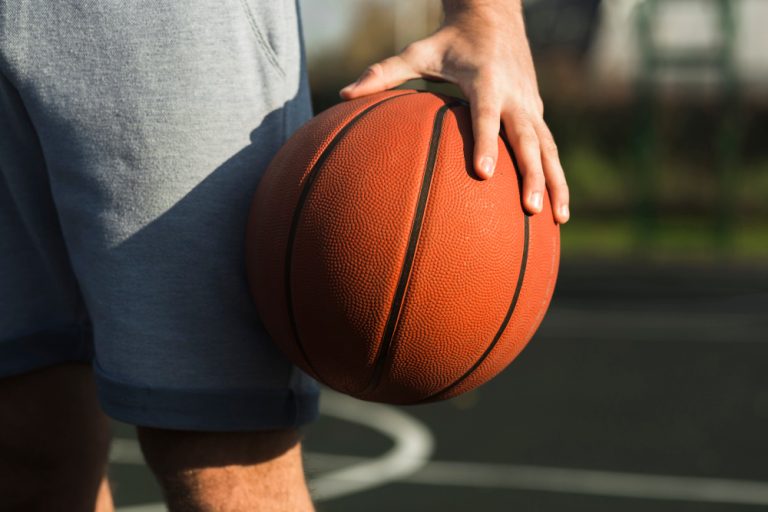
(169, 452)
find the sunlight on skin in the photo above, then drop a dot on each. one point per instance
(482, 48)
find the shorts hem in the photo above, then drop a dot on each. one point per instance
(221, 410)
(45, 348)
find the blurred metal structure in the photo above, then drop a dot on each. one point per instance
(562, 25)
(719, 61)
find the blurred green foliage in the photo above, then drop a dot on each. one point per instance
(675, 239)
(595, 179)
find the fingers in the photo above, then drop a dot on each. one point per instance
(486, 113)
(379, 77)
(493, 101)
(539, 165)
(525, 143)
(554, 175)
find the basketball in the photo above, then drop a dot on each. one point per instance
(382, 266)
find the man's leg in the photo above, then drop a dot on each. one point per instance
(155, 127)
(54, 440)
(53, 435)
(201, 471)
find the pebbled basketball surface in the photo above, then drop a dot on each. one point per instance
(382, 266)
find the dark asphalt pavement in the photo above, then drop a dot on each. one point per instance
(638, 369)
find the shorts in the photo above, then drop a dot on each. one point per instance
(132, 138)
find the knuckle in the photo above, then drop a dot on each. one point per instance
(485, 77)
(526, 138)
(559, 187)
(532, 174)
(410, 48)
(549, 147)
(414, 50)
(487, 111)
(523, 113)
(423, 54)
(374, 70)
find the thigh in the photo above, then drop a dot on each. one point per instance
(156, 123)
(42, 321)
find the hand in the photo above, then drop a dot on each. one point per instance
(482, 48)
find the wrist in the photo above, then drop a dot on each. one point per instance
(489, 11)
(457, 6)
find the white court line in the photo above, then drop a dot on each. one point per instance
(576, 481)
(151, 507)
(560, 480)
(412, 447)
(600, 483)
(407, 462)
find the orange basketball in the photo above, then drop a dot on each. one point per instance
(382, 266)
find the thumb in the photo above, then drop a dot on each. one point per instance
(379, 77)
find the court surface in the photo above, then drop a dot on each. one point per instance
(646, 389)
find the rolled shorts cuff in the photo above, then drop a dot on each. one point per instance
(45, 348)
(221, 410)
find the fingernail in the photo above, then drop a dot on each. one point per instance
(535, 200)
(565, 213)
(486, 164)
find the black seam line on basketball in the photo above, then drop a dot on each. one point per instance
(308, 183)
(396, 307)
(504, 323)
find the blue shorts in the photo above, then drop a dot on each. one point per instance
(131, 141)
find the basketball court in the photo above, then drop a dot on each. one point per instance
(645, 389)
